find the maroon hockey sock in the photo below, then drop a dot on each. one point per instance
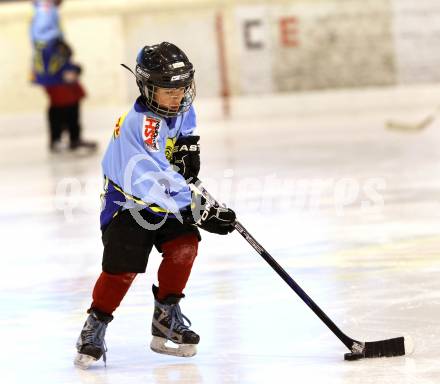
(110, 290)
(178, 258)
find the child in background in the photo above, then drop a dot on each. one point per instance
(54, 70)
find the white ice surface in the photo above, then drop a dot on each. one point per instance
(375, 272)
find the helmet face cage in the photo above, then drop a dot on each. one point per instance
(149, 92)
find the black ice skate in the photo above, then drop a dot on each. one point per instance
(56, 147)
(168, 324)
(91, 345)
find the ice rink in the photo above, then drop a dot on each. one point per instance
(349, 209)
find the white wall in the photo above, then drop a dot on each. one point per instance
(416, 30)
(333, 44)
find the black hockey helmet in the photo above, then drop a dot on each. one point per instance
(164, 66)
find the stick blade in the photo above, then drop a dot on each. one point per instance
(386, 348)
(398, 346)
(407, 127)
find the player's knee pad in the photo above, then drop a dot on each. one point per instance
(182, 250)
(128, 277)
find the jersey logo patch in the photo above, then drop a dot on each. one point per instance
(117, 130)
(150, 133)
(169, 148)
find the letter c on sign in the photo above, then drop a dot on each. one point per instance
(251, 43)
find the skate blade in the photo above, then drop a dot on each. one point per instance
(83, 361)
(167, 347)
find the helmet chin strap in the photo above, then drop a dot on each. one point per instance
(129, 69)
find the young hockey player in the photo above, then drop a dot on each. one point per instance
(151, 156)
(54, 70)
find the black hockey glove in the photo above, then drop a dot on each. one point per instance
(211, 218)
(186, 156)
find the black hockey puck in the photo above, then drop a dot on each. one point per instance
(353, 356)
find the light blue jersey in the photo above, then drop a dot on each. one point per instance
(45, 26)
(137, 165)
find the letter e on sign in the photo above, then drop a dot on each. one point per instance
(289, 31)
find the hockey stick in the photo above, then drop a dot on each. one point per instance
(398, 346)
(408, 127)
